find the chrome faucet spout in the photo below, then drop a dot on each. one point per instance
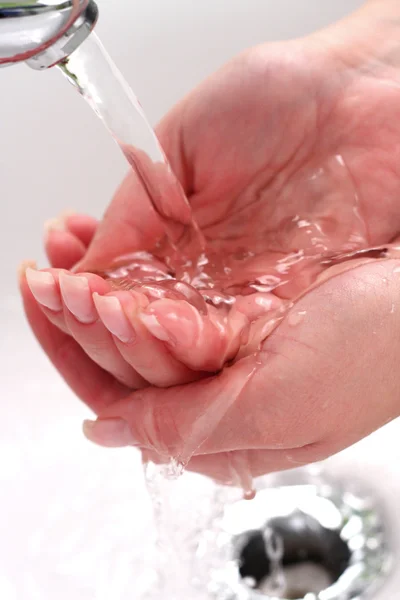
(42, 33)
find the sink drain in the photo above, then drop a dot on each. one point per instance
(313, 557)
(301, 542)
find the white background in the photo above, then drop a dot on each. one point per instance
(55, 155)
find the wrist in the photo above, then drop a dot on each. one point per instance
(371, 35)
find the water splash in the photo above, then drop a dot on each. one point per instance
(96, 77)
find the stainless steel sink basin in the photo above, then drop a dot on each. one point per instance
(75, 520)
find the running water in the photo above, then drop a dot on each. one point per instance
(97, 79)
(275, 551)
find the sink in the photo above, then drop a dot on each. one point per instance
(76, 520)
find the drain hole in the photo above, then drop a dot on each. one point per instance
(313, 557)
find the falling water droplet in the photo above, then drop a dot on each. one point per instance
(275, 551)
(250, 582)
(249, 494)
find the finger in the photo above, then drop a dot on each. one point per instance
(83, 323)
(202, 342)
(205, 340)
(83, 227)
(92, 385)
(147, 355)
(178, 421)
(63, 249)
(45, 288)
(309, 384)
(73, 312)
(67, 238)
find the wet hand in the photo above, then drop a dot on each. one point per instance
(287, 148)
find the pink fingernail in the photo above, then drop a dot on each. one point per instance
(113, 317)
(174, 322)
(44, 289)
(53, 225)
(153, 325)
(59, 223)
(24, 266)
(111, 433)
(77, 296)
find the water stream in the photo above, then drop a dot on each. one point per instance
(183, 250)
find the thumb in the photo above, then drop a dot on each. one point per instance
(177, 421)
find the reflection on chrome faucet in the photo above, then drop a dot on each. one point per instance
(44, 32)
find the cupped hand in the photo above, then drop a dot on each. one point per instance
(289, 152)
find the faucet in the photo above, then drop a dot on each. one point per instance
(43, 33)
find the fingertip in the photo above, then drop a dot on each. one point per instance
(176, 322)
(57, 224)
(23, 267)
(77, 297)
(154, 326)
(63, 248)
(113, 317)
(44, 289)
(109, 433)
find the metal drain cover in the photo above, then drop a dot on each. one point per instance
(303, 541)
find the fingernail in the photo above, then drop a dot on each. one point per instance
(70, 212)
(44, 289)
(54, 225)
(173, 322)
(24, 266)
(77, 296)
(113, 317)
(111, 433)
(153, 325)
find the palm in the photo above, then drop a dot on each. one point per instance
(264, 144)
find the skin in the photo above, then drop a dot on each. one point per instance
(246, 146)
